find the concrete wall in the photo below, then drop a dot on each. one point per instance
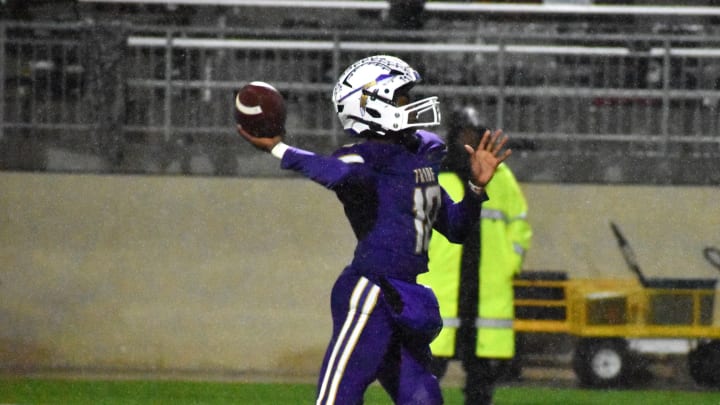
(177, 273)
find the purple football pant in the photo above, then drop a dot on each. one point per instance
(367, 345)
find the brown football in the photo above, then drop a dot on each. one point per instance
(260, 109)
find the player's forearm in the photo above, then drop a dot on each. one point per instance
(324, 170)
(457, 220)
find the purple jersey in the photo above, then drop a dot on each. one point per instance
(392, 199)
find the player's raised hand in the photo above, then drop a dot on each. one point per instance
(263, 143)
(487, 157)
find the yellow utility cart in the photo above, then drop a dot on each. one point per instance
(615, 323)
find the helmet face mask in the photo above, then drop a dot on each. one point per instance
(369, 96)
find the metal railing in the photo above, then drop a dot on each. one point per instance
(159, 93)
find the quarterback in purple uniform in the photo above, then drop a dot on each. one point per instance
(383, 321)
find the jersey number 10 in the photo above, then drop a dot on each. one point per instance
(427, 203)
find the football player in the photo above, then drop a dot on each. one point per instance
(383, 321)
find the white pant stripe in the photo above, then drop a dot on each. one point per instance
(337, 369)
(352, 341)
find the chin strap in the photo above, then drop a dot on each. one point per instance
(373, 126)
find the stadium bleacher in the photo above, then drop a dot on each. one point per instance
(578, 90)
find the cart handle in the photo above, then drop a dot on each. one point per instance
(712, 255)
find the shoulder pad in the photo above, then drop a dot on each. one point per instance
(350, 153)
(431, 145)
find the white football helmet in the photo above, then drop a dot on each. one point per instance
(364, 97)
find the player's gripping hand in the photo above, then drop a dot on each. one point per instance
(487, 157)
(264, 144)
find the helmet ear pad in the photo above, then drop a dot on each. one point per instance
(373, 113)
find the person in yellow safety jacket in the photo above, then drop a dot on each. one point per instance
(473, 281)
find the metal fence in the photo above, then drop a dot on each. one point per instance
(124, 98)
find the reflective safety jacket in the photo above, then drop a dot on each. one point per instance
(504, 237)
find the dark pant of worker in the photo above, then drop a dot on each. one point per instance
(481, 374)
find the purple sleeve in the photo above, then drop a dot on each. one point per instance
(325, 170)
(457, 220)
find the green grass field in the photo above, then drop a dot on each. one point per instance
(17, 390)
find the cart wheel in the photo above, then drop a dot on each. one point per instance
(601, 363)
(704, 363)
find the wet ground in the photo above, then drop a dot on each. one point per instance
(669, 373)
